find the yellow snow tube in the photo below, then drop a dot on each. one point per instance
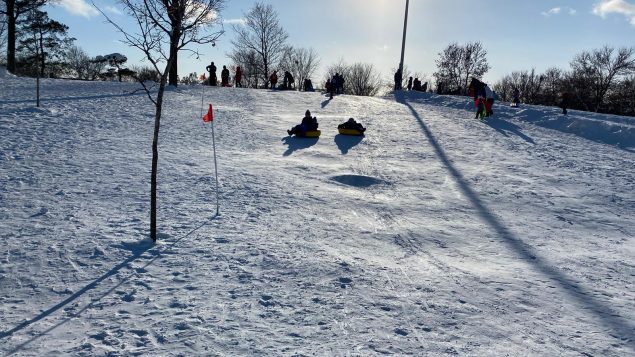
(311, 134)
(350, 132)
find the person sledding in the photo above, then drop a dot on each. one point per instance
(351, 127)
(309, 124)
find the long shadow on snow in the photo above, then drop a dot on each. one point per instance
(602, 128)
(137, 250)
(295, 143)
(504, 127)
(88, 97)
(609, 317)
(347, 142)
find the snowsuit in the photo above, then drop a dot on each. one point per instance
(564, 103)
(417, 85)
(308, 85)
(212, 74)
(238, 77)
(352, 124)
(480, 107)
(516, 99)
(224, 76)
(489, 101)
(308, 123)
(398, 80)
(273, 79)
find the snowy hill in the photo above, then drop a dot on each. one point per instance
(436, 234)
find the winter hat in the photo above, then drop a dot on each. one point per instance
(307, 113)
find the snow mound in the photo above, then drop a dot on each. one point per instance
(603, 128)
(5, 74)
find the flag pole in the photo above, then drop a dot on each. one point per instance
(201, 106)
(215, 170)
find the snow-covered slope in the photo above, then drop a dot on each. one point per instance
(436, 234)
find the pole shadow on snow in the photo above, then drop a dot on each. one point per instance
(622, 328)
(295, 143)
(504, 127)
(347, 142)
(136, 248)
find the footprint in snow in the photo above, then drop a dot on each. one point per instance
(42, 212)
(344, 282)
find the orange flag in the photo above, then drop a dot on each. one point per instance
(210, 114)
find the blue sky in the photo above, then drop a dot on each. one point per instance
(517, 34)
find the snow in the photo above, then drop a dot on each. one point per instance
(4, 73)
(436, 234)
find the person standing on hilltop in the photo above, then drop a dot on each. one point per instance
(238, 77)
(212, 74)
(224, 77)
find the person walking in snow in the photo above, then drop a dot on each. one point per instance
(224, 77)
(489, 101)
(238, 77)
(480, 107)
(564, 102)
(410, 83)
(212, 74)
(516, 99)
(273, 79)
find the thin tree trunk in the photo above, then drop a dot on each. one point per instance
(11, 36)
(155, 162)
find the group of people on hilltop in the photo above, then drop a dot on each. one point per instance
(335, 85)
(224, 75)
(414, 85)
(288, 82)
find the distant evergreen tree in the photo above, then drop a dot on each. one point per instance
(13, 10)
(42, 41)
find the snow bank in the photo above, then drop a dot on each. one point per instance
(5, 74)
(604, 128)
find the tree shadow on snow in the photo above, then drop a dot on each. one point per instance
(295, 143)
(60, 99)
(137, 250)
(622, 328)
(504, 127)
(347, 142)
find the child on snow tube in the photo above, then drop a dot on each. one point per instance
(353, 125)
(308, 124)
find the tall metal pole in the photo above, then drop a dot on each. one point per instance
(403, 43)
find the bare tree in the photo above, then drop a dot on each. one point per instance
(263, 35)
(301, 63)
(457, 64)
(250, 65)
(154, 20)
(363, 80)
(600, 68)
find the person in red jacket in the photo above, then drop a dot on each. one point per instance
(273, 79)
(238, 77)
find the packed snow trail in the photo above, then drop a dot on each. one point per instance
(434, 234)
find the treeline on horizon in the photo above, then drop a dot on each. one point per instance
(599, 80)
